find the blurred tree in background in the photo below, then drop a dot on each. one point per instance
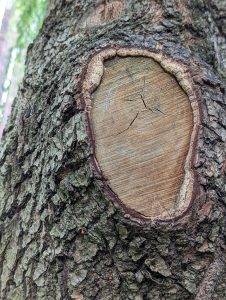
(29, 18)
(20, 21)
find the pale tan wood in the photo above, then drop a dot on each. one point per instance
(142, 122)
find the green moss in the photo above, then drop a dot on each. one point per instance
(16, 294)
(123, 232)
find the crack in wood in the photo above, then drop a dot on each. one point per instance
(159, 111)
(131, 123)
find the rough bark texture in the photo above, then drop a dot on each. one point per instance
(61, 237)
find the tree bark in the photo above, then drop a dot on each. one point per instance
(62, 236)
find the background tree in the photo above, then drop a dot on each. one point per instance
(62, 235)
(20, 22)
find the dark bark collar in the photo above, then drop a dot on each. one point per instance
(90, 80)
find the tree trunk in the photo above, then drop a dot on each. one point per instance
(70, 229)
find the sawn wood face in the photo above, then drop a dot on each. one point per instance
(142, 122)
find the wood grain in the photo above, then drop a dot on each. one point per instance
(142, 122)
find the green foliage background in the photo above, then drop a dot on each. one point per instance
(25, 22)
(29, 15)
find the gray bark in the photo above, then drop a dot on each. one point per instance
(61, 238)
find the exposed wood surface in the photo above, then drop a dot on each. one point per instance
(142, 122)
